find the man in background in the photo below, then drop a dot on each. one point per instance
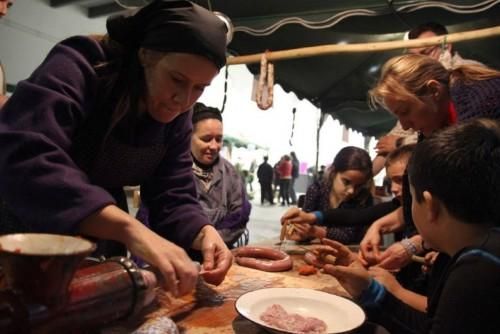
(265, 174)
(444, 53)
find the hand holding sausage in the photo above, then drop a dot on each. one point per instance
(344, 256)
(429, 260)
(354, 278)
(179, 272)
(297, 216)
(217, 258)
(369, 247)
(394, 257)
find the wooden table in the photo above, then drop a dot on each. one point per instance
(212, 309)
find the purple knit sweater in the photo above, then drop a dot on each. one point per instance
(44, 186)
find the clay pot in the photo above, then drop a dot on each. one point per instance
(41, 266)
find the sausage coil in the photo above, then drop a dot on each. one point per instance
(263, 258)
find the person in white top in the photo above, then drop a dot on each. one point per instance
(444, 53)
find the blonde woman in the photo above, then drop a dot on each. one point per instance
(427, 97)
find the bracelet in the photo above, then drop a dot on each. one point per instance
(409, 246)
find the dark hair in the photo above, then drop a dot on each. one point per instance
(460, 166)
(202, 112)
(435, 27)
(400, 153)
(352, 158)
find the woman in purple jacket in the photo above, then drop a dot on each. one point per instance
(104, 112)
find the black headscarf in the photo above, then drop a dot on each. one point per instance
(172, 26)
(202, 112)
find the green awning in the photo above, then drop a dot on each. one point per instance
(338, 84)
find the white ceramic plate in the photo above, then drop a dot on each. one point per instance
(339, 314)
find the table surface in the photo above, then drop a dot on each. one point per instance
(211, 309)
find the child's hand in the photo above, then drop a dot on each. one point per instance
(297, 216)
(429, 261)
(343, 254)
(386, 278)
(354, 278)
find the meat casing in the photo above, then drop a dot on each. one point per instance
(312, 259)
(317, 259)
(263, 258)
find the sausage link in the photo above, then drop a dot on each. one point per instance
(312, 259)
(263, 258)
(318, 259)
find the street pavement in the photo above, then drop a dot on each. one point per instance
(264, 221)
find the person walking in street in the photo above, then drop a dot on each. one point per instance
(265, 174)
(295, 176)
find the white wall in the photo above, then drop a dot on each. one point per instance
(32, 27)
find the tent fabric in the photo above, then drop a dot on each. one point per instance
(338, 84)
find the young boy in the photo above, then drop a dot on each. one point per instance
(455, 181)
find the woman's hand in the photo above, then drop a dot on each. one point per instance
(399, 255)
(178, 270)
(394, 257)
(217, 258)
(354, 278)
(369, 247)
(297, 216)
(111, 223)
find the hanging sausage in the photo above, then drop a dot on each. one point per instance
(266, 78)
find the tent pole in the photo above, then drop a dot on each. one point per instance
(321, 50)
(321, 120)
